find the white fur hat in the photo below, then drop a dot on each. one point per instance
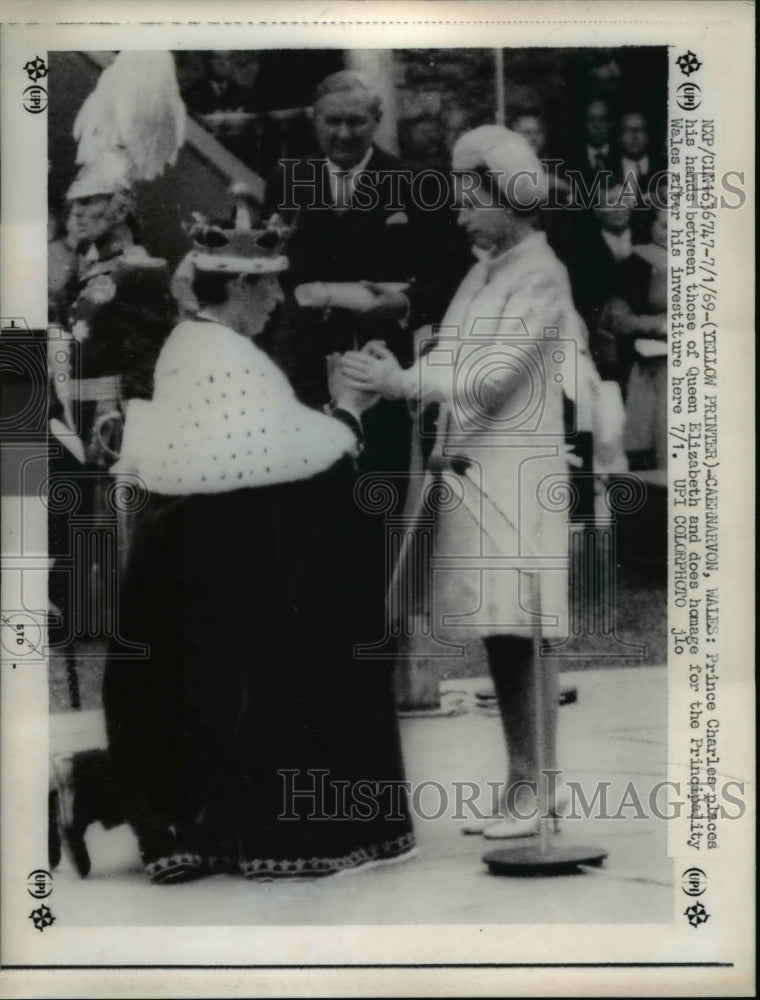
(508, 156)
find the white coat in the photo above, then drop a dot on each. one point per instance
(507, 348)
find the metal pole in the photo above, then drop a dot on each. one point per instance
(377, 66)
(539, 693)
(501, 97)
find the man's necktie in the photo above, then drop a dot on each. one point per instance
(342, 191)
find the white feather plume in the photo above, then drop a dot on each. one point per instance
(136, 110)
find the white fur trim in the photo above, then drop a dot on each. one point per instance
(224, 417)
(221, 264)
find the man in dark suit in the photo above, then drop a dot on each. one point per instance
(595, 153)
(636, 158)
(641, 169)
(601, 264)
(358, 215)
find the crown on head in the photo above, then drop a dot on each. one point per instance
(221, 248)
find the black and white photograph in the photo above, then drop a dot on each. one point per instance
(371, 494)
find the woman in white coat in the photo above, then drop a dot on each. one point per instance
(497, 367)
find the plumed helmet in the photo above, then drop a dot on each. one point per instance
(108, 175)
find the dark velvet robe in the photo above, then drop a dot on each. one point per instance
(250, 603)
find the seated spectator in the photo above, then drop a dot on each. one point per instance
(225, 102)
(601, 241)
(423, 144)
(638, 313)
(532, 126)
(596, 151)
(637, 159)
(603, 268)
(639, 166)
(219, 89)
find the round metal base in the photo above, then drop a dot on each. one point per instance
(553, 860)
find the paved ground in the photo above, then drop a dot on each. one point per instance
(616, 732)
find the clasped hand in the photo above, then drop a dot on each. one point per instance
(344, 393)
(373, 369)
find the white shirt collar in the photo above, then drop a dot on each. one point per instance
(594, 151)
(641, 165)
(207, 317)
(342, 180)
(619, 243)
(351, 171)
